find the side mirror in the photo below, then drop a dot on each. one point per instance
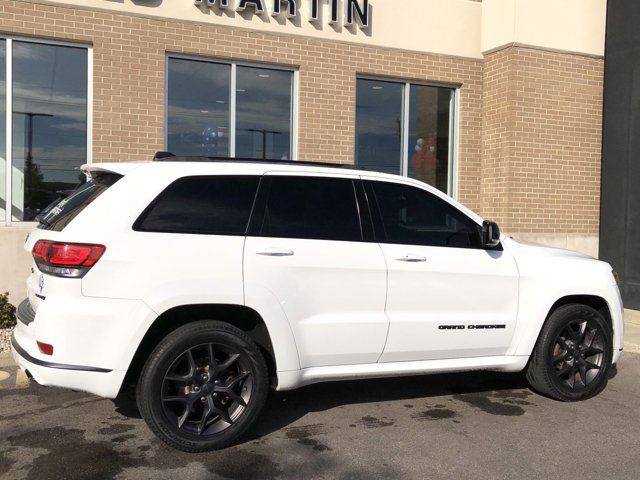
(490, 234)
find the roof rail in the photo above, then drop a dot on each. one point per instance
(169, 157)
(162, 155)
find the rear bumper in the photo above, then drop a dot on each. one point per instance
(99, 381)
(22, 353)
(93, 339)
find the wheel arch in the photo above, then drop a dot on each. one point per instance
(240, 316)
(596, 302)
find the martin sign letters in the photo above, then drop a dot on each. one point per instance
(355, 11)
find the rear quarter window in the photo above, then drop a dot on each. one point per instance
(208, 205)
(58, 214)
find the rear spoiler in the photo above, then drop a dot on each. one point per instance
(121, 168)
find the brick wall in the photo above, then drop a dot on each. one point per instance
(541, 141)
(529, 141)
(129, 54)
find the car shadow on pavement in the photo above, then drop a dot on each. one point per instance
(285, 408)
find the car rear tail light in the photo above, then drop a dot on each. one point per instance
(45, 348)
(72, 260)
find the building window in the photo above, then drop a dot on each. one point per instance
(229, 110)
(379, 126)
(406, 129)
(3, 129)
(263, 113)
(44, 141)
(198, 108)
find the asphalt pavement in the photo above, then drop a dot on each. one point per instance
(473, 425)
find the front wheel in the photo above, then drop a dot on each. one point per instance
(572, 357)
(203, 386)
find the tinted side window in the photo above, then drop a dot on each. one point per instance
(311, 207)
(411, 216)
(214, 205)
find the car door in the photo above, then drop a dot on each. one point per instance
(309, 251)
(447, 297)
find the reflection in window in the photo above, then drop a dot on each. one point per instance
(3, 127)
(313, 208)
(213, 205)
(199, 112)
(381, 130)
(49, 122)
(412, 216)
(379, 125)
(429, 135)
(198, 108)
(263, 120)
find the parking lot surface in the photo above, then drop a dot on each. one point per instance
(474, 425)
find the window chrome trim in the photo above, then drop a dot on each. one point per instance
(165, 105)
(8, 205)
(294, 114)
(8, 221)
(454, 143)
(404, 80)
(45, 41)
(233, 99)
(406, 120)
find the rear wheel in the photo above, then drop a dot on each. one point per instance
(203, 386)
(573, 354)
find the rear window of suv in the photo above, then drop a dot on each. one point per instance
(210, 205)
(58, 214)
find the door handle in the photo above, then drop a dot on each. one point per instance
(276, 252)
(412, 258)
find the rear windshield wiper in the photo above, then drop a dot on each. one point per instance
(40, 219)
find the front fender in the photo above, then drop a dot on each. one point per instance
(536, 304)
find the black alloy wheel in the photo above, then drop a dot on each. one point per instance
(203, 386)
(572, 357)
(206, 389)
(578, 353)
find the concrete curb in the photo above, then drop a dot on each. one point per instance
(631, 348)
(632, 317)
(631, 331)
(6, 359)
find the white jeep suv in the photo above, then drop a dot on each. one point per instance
(203, 283)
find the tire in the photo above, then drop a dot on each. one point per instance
(573, 342)
(194, 404)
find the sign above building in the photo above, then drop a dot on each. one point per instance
(355, 11)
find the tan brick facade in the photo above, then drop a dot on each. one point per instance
(129, 54)
(529, 120)
(541, 141)
(529, 140)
